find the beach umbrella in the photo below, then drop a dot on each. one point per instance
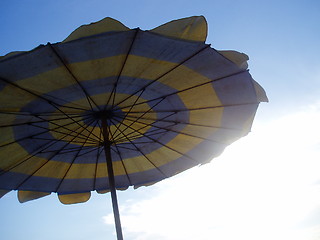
(112, 107)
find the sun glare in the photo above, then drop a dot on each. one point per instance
(262, 187)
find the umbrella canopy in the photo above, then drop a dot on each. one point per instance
(109, 100)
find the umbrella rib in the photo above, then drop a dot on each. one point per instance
(139, 150)
(135, 135)
(91, 150)
(44, 99)
(126, 127)
(48, 160)
(175, 131)
(85, 137)
(156, 132)
(45, 114)
(150, 133)
(73, 160)
(124, 167)
(161, 76)
(75, 105)
(193, 124)
(126, 148)
(41, 97)
(162, 119)
(42, 147)
(167, 121)
(63, 126)
(187, 89)
(31, 136)
(114, 90)
(57, 140)
(124, 143)
(89, 99)
(201, 108)
(67, 134)
(117, 151)
(128, 112)
(164, 145)
(69, 150)
(82, 126)
(33, 122)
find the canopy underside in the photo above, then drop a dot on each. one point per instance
(171, 103)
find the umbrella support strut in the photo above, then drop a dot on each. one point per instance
(107, 150)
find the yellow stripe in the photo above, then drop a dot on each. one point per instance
(12, 98)
(105, 25)
(191, 28)
(11, 155)
(74, 198)
(25, 196)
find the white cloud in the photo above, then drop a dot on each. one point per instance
(262, 187)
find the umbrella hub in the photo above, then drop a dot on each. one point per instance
(112, 116)
(104, 114)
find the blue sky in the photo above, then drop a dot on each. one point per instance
(265, 186)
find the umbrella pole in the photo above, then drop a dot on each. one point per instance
(107, 150)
